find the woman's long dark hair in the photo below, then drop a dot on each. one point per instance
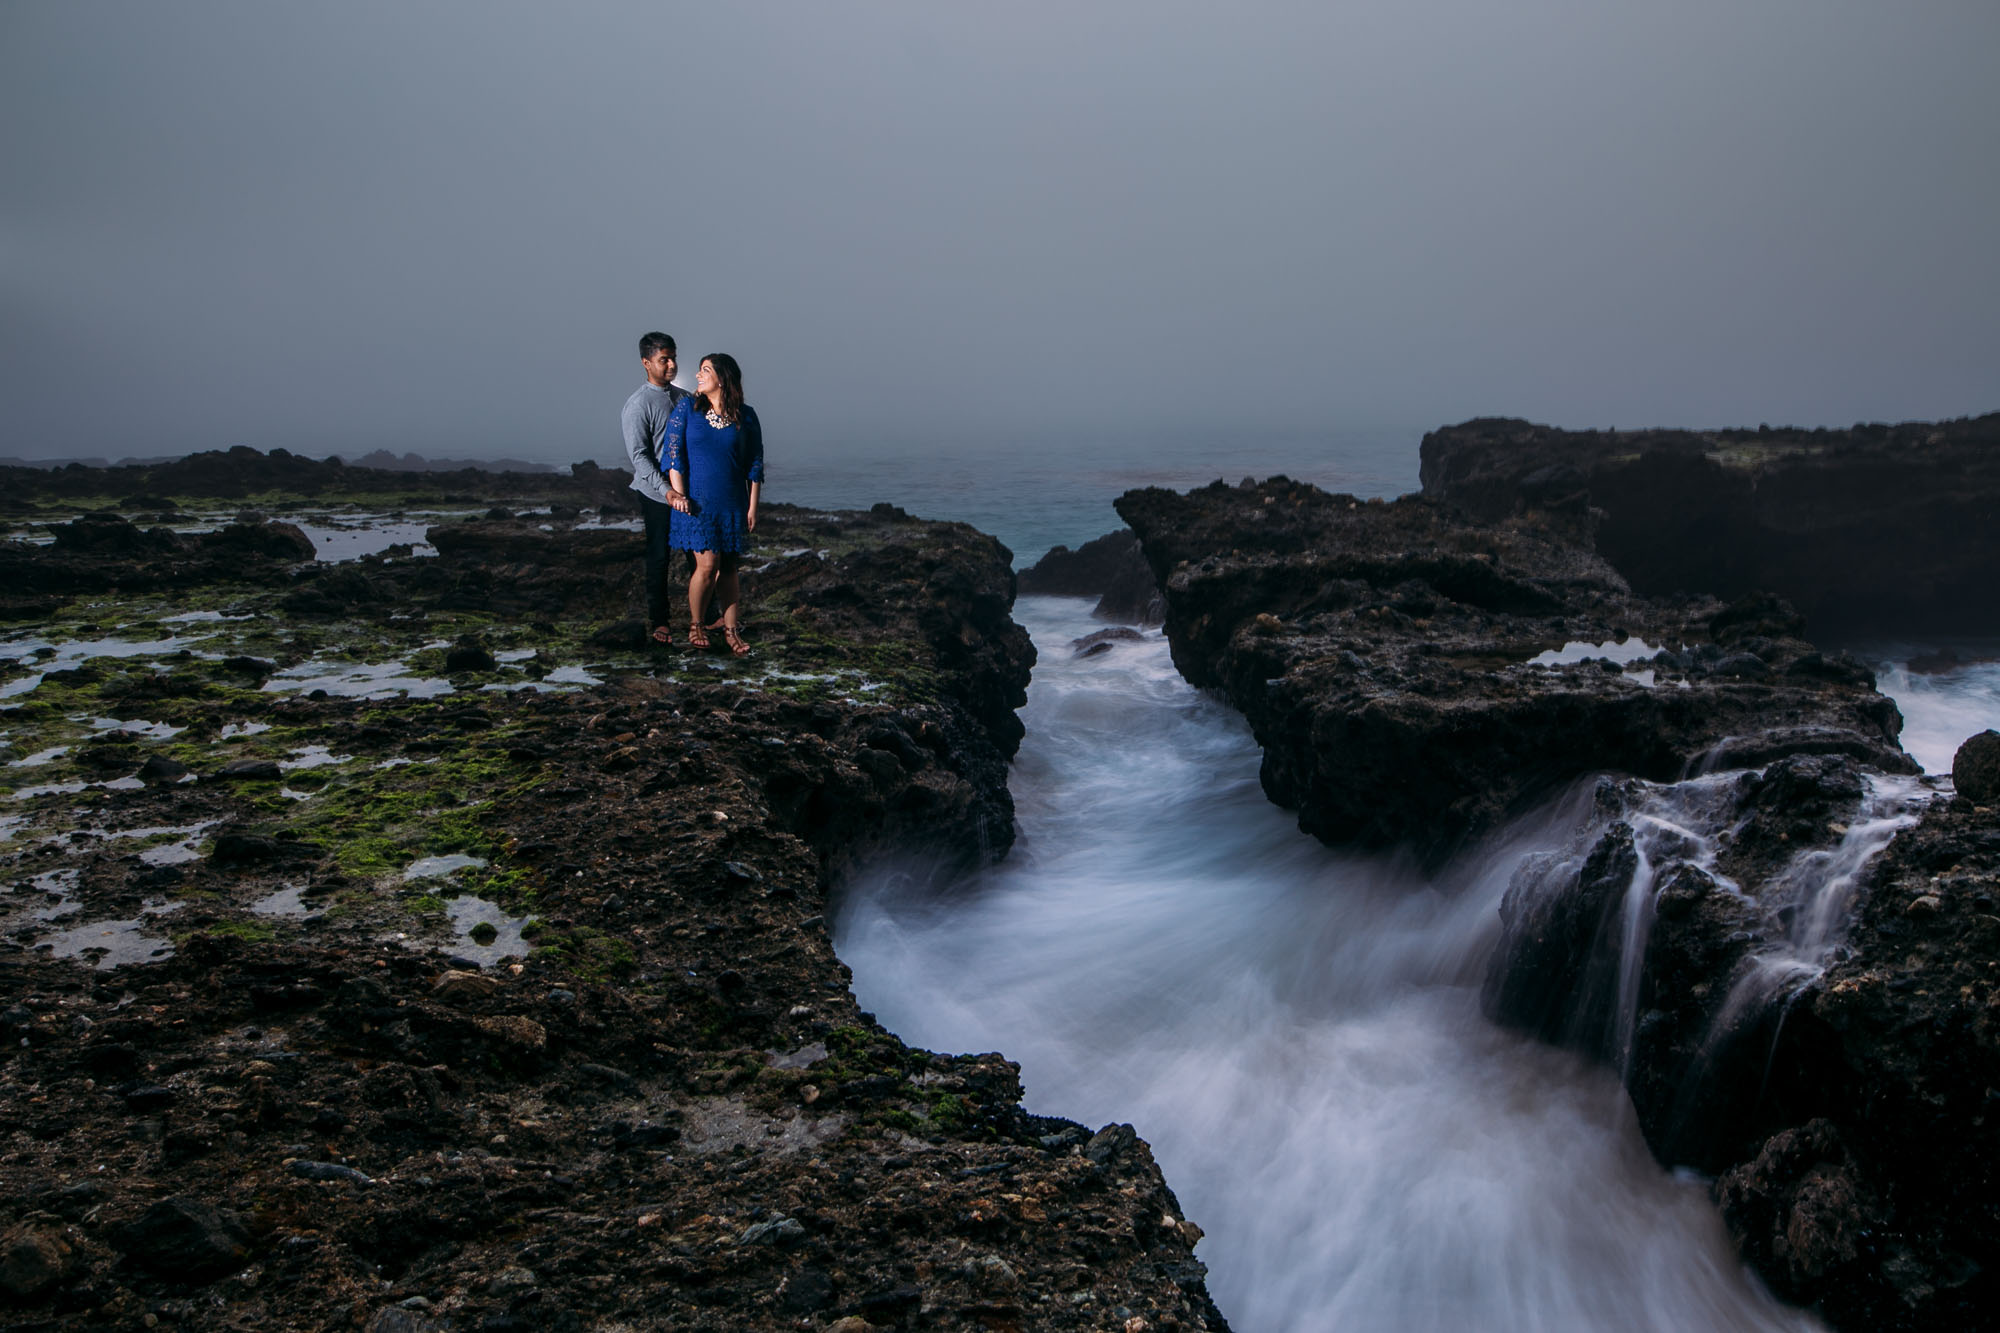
(729, 379)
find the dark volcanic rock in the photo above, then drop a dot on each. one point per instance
(1878, 528)
(1111, 568)
(111, 534)
(186, 1238)
(1875, 1200)
(1381, 654)
(159, 768)
(33, 1256)
(667, 1108)
(469, 655)
(277, 541)
(1813, 1028)
(1975, 769)
(1104, 640)
(249, 770)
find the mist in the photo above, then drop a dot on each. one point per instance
(442, 227)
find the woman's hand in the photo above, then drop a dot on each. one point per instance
(750, 518)
(678, 502)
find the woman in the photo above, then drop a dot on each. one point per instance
(715, 469)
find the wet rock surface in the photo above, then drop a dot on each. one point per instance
(1874, 529)
(1878, 1201)
(1785, 942)
(1382, 655)
(516, 1008)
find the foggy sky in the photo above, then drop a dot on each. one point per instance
(441, 227)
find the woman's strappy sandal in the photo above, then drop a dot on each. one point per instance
(736, 642)
(697, 636)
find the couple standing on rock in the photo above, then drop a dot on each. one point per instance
(698, 465)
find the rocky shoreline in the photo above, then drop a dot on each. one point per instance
(1824, 1051)
(507, 1002)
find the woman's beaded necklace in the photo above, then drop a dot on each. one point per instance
(716, 419)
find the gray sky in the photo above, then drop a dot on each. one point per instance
(441, 226)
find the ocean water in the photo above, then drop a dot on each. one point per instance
(1294, 1029)
(1033, 496)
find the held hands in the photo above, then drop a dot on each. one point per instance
(679, 502)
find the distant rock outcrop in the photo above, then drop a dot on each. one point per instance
(1869, 530)
(1110, 568)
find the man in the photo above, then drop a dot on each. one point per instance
(645, 423)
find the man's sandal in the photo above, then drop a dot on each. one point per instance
(697, 636)
(661, 634)
(735, 642)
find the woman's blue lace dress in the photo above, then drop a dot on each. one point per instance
(719, 463)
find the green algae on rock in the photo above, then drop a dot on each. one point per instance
(657, 1104)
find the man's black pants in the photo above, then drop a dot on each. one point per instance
(658, 604)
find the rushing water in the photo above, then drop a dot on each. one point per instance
(1294, 1029)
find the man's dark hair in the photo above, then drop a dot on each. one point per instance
(656, 342)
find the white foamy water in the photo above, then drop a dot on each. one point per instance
(1941, 709)
(1296, 1031)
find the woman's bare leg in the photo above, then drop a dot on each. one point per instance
(727, 590)
(727, 593)
(706, 567)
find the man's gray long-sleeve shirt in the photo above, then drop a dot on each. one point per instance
(645, 423)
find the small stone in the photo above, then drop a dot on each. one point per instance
(150, 1098)
(994, 1273)
(235, 847)
(1927, 904)
(468, 657)
(458, 985)
(777, 1231)
(514, 1030)
(32, 1256)
(512, 1280)
(249, 666)
(249, 770)
(159, 768)
(853, 1323)
(483, 933)
(329, 1171)
(806, 1291)
(616, 1078)
(186, 1238)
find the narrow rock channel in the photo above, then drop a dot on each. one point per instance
(1296, 1030)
